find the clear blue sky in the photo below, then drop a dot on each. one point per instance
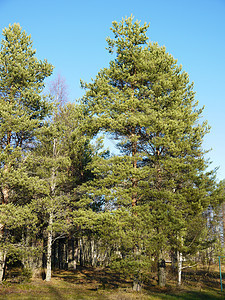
(71, 34)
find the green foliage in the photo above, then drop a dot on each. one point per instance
(22, 112)
(145, 101)
(26, 274)
(149, 200)
(22, 81)
(22, 107)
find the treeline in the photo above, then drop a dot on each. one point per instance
(67, 201)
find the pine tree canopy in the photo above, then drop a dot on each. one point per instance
(21, 83)
(145, 101)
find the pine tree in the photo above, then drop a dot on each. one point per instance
(146, 101)
(22, 110)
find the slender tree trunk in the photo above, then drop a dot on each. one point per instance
(65, 246)
(82, 252)
(76, 251)
(179, 266)
(93, 253)
(49, 251)
(5, 198)
(3, 253)
(2, 264)
(50, 233)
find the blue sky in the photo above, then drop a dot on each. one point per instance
(71, 34)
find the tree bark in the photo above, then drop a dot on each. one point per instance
(2, 254)
(2, 264)
(179, 266)
(93, 253)
(49, 251)
(50, 233)
(81, 253)
(162, 272)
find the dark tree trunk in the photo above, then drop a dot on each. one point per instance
(162, 272)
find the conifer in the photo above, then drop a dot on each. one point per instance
(145, 100)
(22, 111)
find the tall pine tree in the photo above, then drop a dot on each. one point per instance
(22, 110)
(145, 100)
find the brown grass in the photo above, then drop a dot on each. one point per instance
(89, 283)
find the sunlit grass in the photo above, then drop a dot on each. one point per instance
(88, 284)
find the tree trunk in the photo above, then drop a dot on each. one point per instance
(162, 272)
(50, 233)
(81, 253)
(49, 251)
(65, 246)
(179, 267)
(2, 264)
(2, 255)
(5, 199)
(93, 254)
(72, 252)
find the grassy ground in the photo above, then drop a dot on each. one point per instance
(100, 284)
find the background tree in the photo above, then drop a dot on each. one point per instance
(58, 90)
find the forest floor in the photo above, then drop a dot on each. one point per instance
(94, 284)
